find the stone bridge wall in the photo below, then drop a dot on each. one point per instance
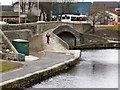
(28, 30)
(72, 41)
(44, 26)
(11, 27)
(19, 34)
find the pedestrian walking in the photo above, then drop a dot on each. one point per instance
(48, 37)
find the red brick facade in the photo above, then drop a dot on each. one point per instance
(92, 10)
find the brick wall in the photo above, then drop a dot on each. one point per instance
(92, 10)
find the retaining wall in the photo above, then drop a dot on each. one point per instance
(10, 27)
(25, 34)
(97, 46)
(93, 39)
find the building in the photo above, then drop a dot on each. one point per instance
(72, 8)
(31, 9)
(77, 8)
(5, 16)
(112, 8)
(114, 15)
(6, 8)
(105, 6)
(8, 15)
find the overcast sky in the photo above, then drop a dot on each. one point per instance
(9, 2)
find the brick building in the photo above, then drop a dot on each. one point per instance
(105, 6)
(7, 14)
(112, 8)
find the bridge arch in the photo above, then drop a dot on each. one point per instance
(68, 34)
(68, 37)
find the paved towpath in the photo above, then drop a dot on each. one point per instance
(55, 53)
(48, 60)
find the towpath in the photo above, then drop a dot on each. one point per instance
(50, 59)
(54, 54)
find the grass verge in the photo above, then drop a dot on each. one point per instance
(113, 27)
(5, 66)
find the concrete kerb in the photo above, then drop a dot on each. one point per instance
(54, 69)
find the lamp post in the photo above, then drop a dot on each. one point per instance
(38, 10)
(19, 11)
(104, 12)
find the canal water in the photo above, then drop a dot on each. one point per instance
(97, 69)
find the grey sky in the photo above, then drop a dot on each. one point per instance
(9, 2)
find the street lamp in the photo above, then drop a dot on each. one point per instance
(38, 10)
(19, 11)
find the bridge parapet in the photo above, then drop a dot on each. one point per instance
(19, 30)
(81, 28)
(37, 28)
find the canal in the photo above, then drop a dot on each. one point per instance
(97, 69)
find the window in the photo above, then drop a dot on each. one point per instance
(78, 18)
(73, 18)
(63, 17)
(66, 17)
(117, 9)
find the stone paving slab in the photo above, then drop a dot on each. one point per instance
(31, 58)
(48, 60)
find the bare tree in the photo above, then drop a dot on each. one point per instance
(59, 8)
(30, 6)
(45, 7)
(67, 6)
(95, 17)
(22, 6)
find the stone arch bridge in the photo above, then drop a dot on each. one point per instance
(74, 38)
(73, 34)
(23, 31)
(68, 34)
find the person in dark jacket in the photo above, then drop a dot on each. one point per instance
(48, 37)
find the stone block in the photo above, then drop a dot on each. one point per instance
(19, 57)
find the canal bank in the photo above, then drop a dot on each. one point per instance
(51, 64)
(97, 70)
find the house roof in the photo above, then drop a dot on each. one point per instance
(15, 3)
(6, 8)
(113, 12)
(105, 13)
(105, 5)
(6, 14)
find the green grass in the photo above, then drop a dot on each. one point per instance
(114, 27)
(5, 66)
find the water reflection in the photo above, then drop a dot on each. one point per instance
(98, 69)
